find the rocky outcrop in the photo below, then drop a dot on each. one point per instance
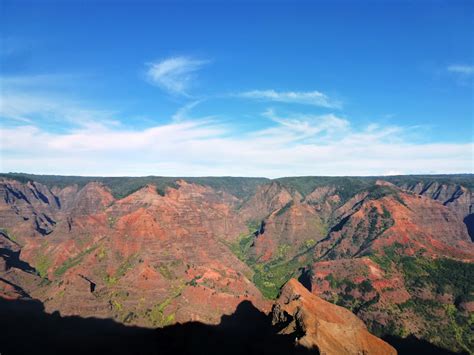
(267, 199)
(30, 208)
(320, 325)
(17, 277)
(388, 216)
(91, 199)
(457, 197)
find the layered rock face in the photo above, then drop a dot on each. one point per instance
(29, 206)
(455, 196)
(14, 271)
(324, 326)
(398, 254)
(146, 259)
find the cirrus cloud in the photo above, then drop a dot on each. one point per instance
(462, 69)
(50, 134)
(314, 98)
(291, 146)
(174, 74)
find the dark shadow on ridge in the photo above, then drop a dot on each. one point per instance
(17, 288)
(305, 278)
(12, 259)
(469, 222)
(26, 329)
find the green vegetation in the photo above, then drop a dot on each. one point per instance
(111, 221)
(378, 223)
(156, 314)
(466, 180)
(117, 306)
(366, 286)
(308, 244)
(169, 319)
(9, 235)
(346, 187)
(270, 276)
(166, 272)
(333, 283)
(342, 293)
(42, 264)
(124, 186)
(123, 268)
(447, 325)
(242, 246)
(285, 208)
(441, 275)
(102, 254)
(110, 280)
(458, 330)
(253, 225)
(282, 251)
(347, 285)
(193, 282)
(390, 255)
(386, 213)
(116, 301)
(126, 266)
(443, 323)
(377, 192)
(75, 260)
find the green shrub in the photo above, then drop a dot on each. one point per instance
(284, 208)
(365, 286)
(71, 262)
(42, 264)
(166, 272)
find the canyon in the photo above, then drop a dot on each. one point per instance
(335, 262)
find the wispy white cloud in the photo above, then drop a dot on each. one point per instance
(24, 99)
(462, 69)
(314, 98)
(44, 109)
(309, 125)
(34, 137)
(174, 74)
(293, 145)
(183, 112)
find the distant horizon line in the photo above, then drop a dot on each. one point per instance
(239, 176)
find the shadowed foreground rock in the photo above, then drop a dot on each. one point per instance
(324, 326)
(26, 329)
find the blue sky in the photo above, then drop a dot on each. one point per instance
(270, 88)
